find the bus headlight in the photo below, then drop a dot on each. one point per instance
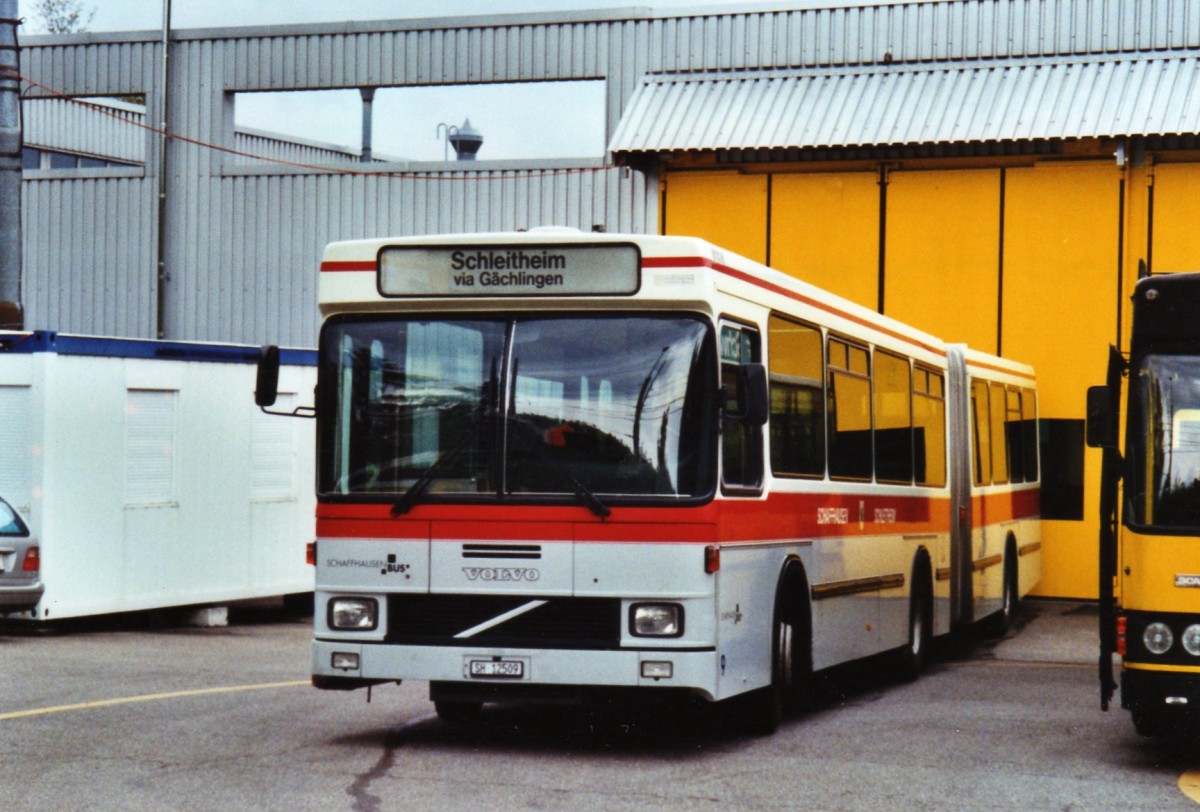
(1158, 638)
(1191, 640)
(353, 614)
(656, 620)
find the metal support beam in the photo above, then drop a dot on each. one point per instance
(11, 308)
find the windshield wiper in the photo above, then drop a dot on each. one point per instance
(585, 494)
(487, 409)
(410, 497)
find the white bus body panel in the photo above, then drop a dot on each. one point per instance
(629, 571)
(153, 481)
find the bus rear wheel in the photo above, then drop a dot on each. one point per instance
(1002, 621)
(1008, 606)
(914, 655)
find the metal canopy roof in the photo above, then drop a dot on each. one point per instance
(913, 104)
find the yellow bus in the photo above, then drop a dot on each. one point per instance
(553, 465)
(1150, 509)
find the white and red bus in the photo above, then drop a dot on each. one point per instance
(552, 463)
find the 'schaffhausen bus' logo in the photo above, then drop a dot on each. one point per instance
(1187, 581)
(501, 573)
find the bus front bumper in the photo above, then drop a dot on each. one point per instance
(1173, 693)
(356, 664)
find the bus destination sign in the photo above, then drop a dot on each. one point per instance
(545, 269)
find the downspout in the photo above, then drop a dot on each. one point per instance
(12, 315)
(164, 96)
(368, 97)
(884, 172)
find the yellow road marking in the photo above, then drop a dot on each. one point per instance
(104, 703)
(1189, 784)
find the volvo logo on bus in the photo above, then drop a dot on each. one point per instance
(1187, 581)
(501, 573)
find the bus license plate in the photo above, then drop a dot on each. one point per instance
(496, 669)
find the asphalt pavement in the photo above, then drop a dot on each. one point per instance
(1052, 631)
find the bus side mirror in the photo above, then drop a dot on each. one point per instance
(266, 388)
(753, 404)
(1101, 429)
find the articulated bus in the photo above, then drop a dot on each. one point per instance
(1150, 510)
(553, 465)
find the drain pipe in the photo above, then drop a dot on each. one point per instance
(368, 97)
(11, 310)
(164, 95)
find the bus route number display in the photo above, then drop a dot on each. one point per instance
(550, 269)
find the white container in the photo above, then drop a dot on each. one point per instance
(148, 474)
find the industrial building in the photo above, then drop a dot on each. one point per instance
(997, 172)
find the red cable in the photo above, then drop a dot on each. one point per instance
(483, 174)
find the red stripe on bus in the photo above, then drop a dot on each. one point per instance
(676, 262)
(781, 516)
(667, 262)
(348, 265)
(1008, 506)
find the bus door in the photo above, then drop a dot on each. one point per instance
(962, 611)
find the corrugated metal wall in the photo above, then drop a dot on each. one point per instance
(89, 264)
(244, 243)
(100, 129)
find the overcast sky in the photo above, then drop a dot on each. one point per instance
(516, 121)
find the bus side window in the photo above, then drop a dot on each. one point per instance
(893, 418)
(980, 424)
(999, 451)
(929, 427)
(1030, 434)
(1012, 434)
(797, 398)
(741, 444)
(849, 409)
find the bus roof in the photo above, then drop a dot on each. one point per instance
(431, 272)
(1164, 311)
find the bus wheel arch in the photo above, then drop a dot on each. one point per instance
(791, 686)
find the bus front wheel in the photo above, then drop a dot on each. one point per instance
(792, 683)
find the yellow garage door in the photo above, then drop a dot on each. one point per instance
(725, 208)
(825, 230)
(1176, 238)
(943, 253)
(1060, 307)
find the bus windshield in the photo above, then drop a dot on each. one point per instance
(582, 406)
(1164, 465)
